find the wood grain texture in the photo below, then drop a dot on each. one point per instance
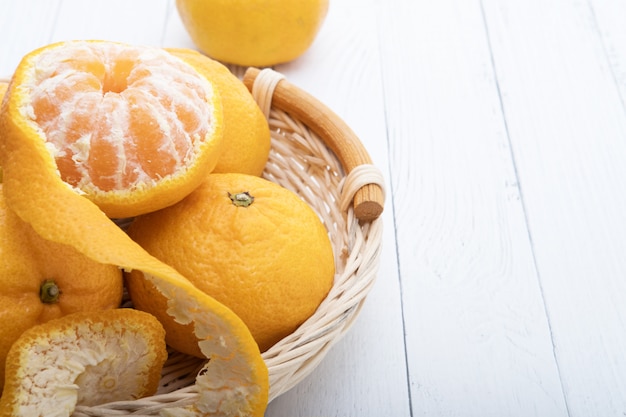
(568, 132)
(476, 329)
(607, 20)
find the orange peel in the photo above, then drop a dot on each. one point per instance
(85, 358)
(44, 280)
(35, 191)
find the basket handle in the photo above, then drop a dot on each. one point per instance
(368, 199)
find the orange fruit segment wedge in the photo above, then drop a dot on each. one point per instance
(132, 128)
(85, 358)
(35, 191)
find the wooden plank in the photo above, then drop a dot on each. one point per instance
(24, 30)
(364, 374)
(558, 66)
(476, 330)
(608, 20)
(139, 22)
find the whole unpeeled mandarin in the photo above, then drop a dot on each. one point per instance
(246, 131)
(253, 32)
(251, 244)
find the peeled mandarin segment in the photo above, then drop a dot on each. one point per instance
(34, 190)
(83, 359)
(134, 129)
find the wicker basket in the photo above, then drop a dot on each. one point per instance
(317, 156)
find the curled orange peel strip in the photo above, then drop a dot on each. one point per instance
(35, 191)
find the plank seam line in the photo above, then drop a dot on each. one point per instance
(605, 50)
(391, 194)
(523, 204)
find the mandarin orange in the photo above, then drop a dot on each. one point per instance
(251, 244)
(246, 131)
(253, 32)
(132, 128)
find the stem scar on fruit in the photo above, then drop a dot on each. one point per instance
(243, 199)
(49, 292)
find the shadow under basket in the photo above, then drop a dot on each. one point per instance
(317, 156)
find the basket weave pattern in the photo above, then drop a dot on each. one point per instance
(300, 161)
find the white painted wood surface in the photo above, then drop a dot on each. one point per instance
(501, 127)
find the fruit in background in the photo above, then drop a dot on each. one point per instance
(253, 32)
(44, 280)
(249, 243)
(246, 131)
(132, 128)
(87, 358)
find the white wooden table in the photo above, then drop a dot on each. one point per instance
(501, 127)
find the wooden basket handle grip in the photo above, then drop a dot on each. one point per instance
(368, 200)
